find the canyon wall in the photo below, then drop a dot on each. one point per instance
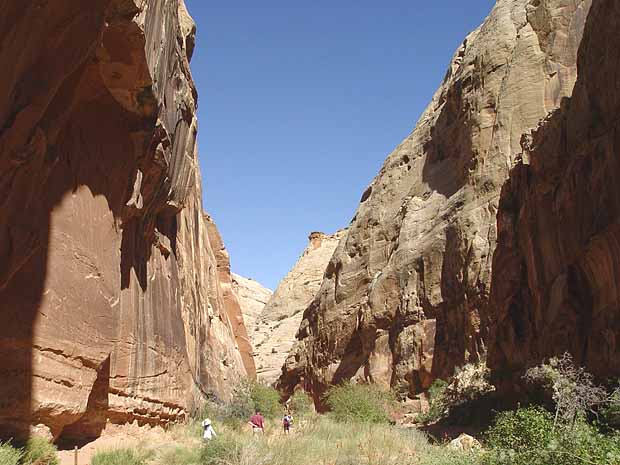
(556, 266)
(274, 330)
(406, 294)
(252, 297)
(114, 296)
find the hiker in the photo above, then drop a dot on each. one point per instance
(257, 422)
(208, 432)
(287, 422)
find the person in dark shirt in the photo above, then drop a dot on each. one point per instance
(257, 422)
(287, 422)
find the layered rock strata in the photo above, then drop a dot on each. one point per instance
(407, 288)
(274, 332)
(556, 266)
(113, 298)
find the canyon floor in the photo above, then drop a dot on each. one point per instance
(316, 439)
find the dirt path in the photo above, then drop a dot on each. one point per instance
(116, 437)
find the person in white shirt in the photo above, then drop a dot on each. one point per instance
(208, 431)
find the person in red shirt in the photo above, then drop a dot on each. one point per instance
(257, 422)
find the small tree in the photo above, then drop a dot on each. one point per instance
(241, 406)
(364, 403)
(572, 388)
(300, 403)
(266, 399)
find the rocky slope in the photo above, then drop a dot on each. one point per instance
(556, 274)
(406, 290)
(114, 296)
(252, 297)
(273, 334)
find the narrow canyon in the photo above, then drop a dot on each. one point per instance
(490, 234)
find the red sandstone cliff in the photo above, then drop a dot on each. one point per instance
(406, 290)
(113, 300)
(557, 263)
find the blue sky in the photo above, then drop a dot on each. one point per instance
(299, 105)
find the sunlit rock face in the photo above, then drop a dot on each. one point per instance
(273, 331)
(405, 296)
(556, 266)
(113, 296)
(252, 297)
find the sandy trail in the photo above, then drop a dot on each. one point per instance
(115, 437)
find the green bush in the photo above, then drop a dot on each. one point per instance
(301, 404)
(124, 456)
(40, 452)
(223, 450)
(248, 397)
(241, 407)
(437, 401)
(359, 403)
(610, 414)
(522, 429)
(527, 436)
(9, 455)
(265, 399)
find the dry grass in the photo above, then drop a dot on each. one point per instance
(315, 440)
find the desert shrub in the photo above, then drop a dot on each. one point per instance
(9, 455)
(266, 399)
(572, 388)
(359, 403)
(470, 382)
(609, 414)
(223, 450)
(584, 443)
(528, 436)
(301, 404)
(241, 406)
(437, 401)
(40, 452)
(522, 429)
(124, 456)
(250, 396)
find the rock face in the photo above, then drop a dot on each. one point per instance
(556, 274)
(273, 334)
(252, 297)
(407, 288)
(230, 301)
(114, 296)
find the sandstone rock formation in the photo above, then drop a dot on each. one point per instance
(252, 297)
(556, 272)
(273, 334)
(114, 301)
(231, 303)
(405, 292)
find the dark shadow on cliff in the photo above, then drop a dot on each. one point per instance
(555, 288)
(76, 134)
(449, 156)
